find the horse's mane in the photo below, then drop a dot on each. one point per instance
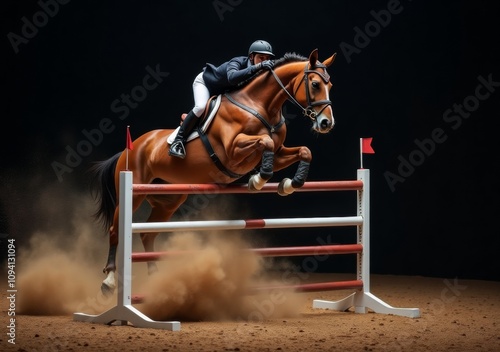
(287, 58)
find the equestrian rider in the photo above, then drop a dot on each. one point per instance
(216, 80)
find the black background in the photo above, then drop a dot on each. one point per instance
(441, 221)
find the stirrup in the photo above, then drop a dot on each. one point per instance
(177, 150)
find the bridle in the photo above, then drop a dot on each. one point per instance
(307, 111)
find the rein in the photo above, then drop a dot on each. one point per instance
(255, 113)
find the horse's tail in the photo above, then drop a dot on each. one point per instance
(103, 190)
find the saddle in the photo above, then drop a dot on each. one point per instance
(205, 120)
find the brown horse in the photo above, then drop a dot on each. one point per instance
(246, 133)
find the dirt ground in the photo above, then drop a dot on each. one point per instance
(456, 315)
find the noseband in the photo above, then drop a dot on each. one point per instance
(308, 111)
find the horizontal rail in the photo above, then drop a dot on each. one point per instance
(310, 186)
(265, 252)
(312, 287)
(143, 227)
(315, 287)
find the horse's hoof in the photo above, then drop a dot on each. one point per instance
(251, 187)
(255, 183)
(107, 290)
(285, 187)
(108, 284)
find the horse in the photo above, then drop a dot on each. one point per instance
(245, 136)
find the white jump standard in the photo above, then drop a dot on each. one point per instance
(363, 300)
(124, 312)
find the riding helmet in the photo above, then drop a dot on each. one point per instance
(261, 47)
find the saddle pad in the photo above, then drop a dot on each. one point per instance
(204, 127)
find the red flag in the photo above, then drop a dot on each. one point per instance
(130, 145)
(366, 146)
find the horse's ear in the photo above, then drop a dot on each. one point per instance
(330, 60)
(313, 58)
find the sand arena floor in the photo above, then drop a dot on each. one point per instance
(456, 315)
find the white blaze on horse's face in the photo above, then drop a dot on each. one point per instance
(320, 109)
(325, 121)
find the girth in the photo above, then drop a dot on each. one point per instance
(214, 156)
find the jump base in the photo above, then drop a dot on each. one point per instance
(121, 315)
(362, 302)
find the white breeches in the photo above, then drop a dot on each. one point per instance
(201, 95)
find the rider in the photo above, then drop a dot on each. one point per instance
(216, 80)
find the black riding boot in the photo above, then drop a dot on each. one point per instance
(177, 148)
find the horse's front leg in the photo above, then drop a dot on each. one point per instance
(246, 148)
(287, 156)
(258, 180)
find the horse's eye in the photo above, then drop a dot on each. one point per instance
(315, 84)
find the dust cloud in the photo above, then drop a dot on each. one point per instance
(60, 270)
(214, 282)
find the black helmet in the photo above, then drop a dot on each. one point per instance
(261, 47)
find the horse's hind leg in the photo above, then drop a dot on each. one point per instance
(148, 240)
(108, 285)
(162, 209)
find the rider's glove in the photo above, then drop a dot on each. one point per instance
(267, 65)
